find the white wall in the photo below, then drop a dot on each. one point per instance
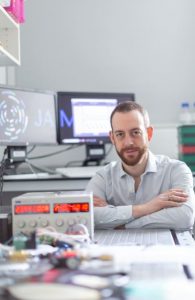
(141, 46)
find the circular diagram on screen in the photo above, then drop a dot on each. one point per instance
(13, 118)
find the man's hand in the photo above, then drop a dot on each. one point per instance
(99, 201)
(171, 198)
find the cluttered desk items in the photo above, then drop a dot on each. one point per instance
(55, 251)
(94, 271)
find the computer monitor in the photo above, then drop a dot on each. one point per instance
(84, 118)
(27, 117)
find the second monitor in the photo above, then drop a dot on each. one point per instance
(84, 118)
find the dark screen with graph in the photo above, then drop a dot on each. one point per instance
(84, 118)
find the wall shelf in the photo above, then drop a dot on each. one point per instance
(9, 39)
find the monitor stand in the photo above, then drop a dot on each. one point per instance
(15, 156)
(95, 153)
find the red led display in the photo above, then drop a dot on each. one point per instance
(32, 209)
(70, 207)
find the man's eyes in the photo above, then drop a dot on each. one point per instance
(132, 133)
(136, 132)
(119, 134)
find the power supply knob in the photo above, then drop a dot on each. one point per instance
(21, 224)
(59, 222)
(32, 223)
(44, 223)
(71, 222)
(83, 221)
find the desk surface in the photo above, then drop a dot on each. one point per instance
(41, 176)
(148, 269)
(42, 182)
(58, 173)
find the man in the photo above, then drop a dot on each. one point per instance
(142, 190)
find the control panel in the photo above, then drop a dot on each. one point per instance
(57, 210)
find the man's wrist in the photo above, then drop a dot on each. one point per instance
(139, 210)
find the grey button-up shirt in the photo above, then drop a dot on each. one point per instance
(115, 186)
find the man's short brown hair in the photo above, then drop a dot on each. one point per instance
(127, 106)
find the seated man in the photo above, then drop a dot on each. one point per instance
(142, 190)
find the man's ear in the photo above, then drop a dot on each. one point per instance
(150, 133)
(111, 136)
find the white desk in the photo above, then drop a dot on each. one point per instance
(52, 182)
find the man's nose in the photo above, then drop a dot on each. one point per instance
(128, 140)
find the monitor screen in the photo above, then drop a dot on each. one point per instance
(27, 117)
(85, 117)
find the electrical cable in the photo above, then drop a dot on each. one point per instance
(79, 163)
(29, 151)
(54, 153)
(30, 166)
(3, 165)
(74, 163)
(43, 169)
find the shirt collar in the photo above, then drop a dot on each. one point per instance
(151, 164)
(150, 167)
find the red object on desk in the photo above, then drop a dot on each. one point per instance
(16, 10)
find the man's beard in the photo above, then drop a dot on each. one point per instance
(134, 160)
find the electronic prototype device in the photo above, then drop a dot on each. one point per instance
(57, 210)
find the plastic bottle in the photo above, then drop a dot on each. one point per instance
(185, 114)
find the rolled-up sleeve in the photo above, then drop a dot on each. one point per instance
(179, 218)
(117, 189)
(109, 217)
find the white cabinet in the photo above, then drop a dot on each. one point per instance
(9, 40)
